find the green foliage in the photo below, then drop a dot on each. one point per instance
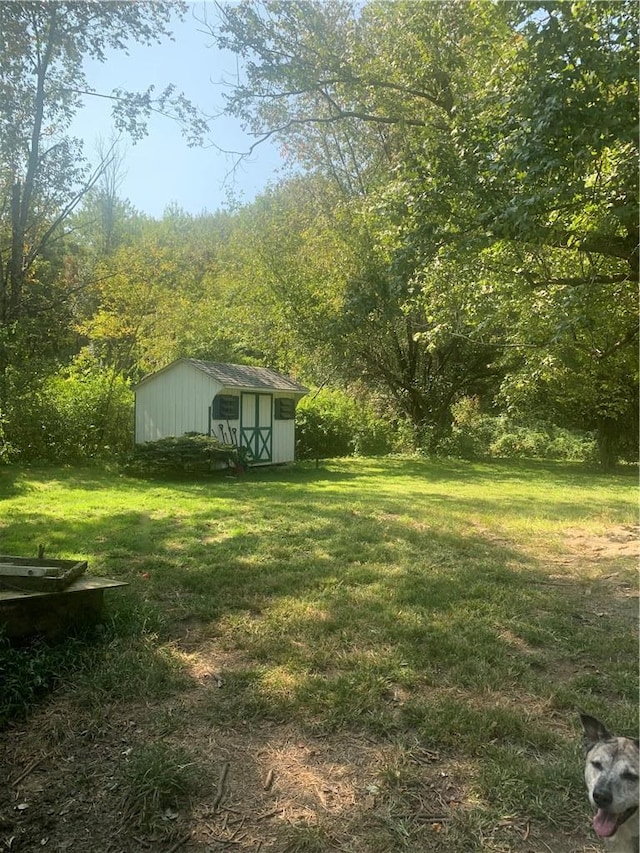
(156, 299)
(332, 423)
(114, 661)
(475, 435)
(7, 451)
(542, 441)
(481, 243)
(565, 169)
(577, 364)
(42, 74)
(80, 413)
(43, 176)
(372, 435)
(464, 223)
(27, 673)
(472, 432)
(323, 425)
(191, 454)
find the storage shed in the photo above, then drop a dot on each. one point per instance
(252, 407)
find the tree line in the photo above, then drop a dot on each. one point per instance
(460, 220)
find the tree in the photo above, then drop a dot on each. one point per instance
(280, 279)
(413, 336)
(43, 174)
(107, 214)
(158, 297)
(480, 102)
(500, 136)
(573, 356)
(559, 146)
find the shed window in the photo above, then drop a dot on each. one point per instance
(226, 407)
(285, 409)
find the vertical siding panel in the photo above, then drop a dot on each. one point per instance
(283, 436)
(283, 441)
(175, 402)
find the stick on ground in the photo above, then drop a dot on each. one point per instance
(221, 785)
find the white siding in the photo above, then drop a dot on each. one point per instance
(248, 415)
(174, 402)
(283, 441)
(284, 444)
(265, 414)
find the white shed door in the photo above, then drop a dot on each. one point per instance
(256, 426)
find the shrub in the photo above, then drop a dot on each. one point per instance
(30, 670)
(7, 451)
(319, 434)
(475, 435)
(542, 441)
(333, 423)
(373, 436)
(188, 454)
(472, 432)
(78, 414)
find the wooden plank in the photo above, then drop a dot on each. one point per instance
(39, 575)
(10, 560)
(27, 570)
(85, 582)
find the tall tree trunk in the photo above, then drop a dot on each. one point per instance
(608, 443)
(23, 193)
(15, 272)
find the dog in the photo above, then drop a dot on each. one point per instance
(611, 775)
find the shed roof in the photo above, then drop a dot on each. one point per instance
(241, 376)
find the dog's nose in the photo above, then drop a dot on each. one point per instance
(602, 798)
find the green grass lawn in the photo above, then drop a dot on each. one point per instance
(460, 609)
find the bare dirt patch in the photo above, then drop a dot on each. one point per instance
(619, 547)
(623, 540)
(259, 784)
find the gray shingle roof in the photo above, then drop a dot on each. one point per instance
(240, 376)
(244, 376)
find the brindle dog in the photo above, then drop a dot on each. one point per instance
(611, 775)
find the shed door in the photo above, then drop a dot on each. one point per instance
(256, 427)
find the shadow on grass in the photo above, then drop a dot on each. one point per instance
(343, 589)
(368, 597)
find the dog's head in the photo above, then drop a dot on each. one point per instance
(611, 774)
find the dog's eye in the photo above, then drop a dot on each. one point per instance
(629, 775)
(597, 765)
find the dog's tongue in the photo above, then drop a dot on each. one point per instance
(605, 823)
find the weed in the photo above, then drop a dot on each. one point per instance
(307, 839)
(157, 780)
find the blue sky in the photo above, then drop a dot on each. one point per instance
(161, 169)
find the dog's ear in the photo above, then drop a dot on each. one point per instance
(594, 730)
